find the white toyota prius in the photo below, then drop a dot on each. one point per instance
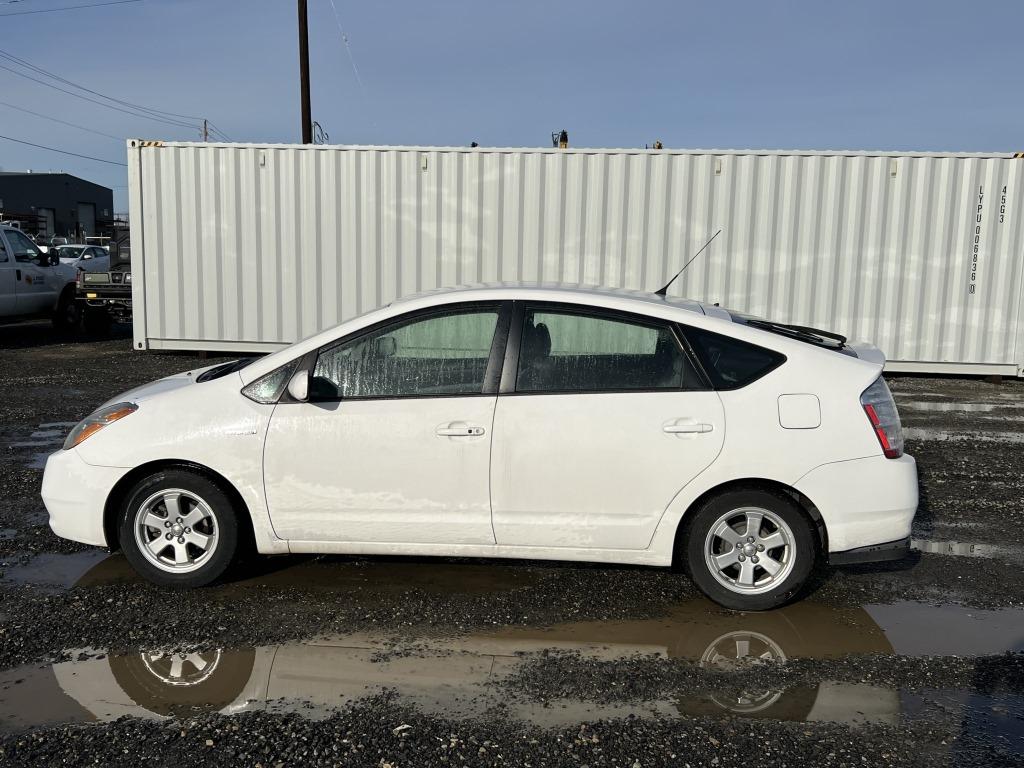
(525, 421)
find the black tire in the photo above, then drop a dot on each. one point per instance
(800, 559)
(66, 316)
(97, 321)
(222, 554)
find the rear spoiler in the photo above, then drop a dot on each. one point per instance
(867, 352)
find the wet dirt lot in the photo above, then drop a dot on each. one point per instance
(417, 661)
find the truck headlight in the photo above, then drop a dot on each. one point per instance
(96, 421)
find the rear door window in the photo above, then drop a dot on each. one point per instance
(567, 351)
(731, 363)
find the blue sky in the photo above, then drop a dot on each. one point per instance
(780, 75)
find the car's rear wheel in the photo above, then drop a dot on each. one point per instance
(750, 550)
(178, 528)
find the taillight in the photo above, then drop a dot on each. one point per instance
(885, 419)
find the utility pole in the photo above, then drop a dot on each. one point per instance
(206, 130)
(307, 119)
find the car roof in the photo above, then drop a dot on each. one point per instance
(554, 291)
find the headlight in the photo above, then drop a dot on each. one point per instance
(94, 422)
(128, 277)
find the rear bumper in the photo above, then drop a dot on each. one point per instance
(876, 553)
(864, 503)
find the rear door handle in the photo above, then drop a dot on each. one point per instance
(458, 429)
(676, 428)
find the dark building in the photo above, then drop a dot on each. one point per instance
(56, 204)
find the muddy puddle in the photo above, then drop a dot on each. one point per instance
(961, 548)
(462, 675)
(95, 568)
(54, 569)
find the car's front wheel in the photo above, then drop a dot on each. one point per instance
(178, 529)
(750, 550)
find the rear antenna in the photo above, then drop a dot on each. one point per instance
(663, 291)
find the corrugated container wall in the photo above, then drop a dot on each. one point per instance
(250, 247)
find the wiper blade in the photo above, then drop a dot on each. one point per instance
(818, 332)
(801, 332)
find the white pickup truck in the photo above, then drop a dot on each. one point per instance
(33, 283)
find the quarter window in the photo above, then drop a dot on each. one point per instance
(731, 363)
(445, 354)
(563, 351)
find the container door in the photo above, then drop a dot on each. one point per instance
(87, 219)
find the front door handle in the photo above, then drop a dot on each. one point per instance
(677, 428)
(458, 429)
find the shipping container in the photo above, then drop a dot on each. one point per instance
(246, 247)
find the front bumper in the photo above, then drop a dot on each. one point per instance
(75, 494)
(864, 503)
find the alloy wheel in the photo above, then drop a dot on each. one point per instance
(176, 530)
(750, 550)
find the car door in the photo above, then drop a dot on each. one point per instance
(36, 288)
(100, 261)
(8, 283)
(94, 259)
(601, 420)
(394, 444)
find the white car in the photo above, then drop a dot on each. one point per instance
(524, 421)
(87, 258)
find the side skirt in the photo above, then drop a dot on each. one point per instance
(621, 556)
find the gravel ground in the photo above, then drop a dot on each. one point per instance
(57, 596)
(372, 734)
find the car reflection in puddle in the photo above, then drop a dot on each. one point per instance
(454, 676)
(460, 676)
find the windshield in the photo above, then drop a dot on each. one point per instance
(70, 251)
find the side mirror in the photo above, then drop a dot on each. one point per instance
(87, 255)
(298, 386)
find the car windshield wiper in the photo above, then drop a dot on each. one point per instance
(224, 369)
(801, 332)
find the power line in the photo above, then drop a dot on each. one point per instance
(39, 70)
(167, 121)
(344, 39)
(63, 151)
(70, 8)
(63, 122)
